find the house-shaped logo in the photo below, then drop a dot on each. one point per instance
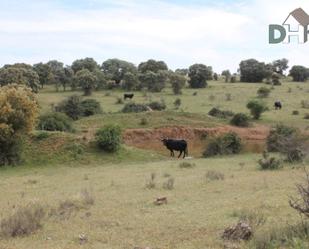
(295, 26)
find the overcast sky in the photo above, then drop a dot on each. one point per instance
(218, 33)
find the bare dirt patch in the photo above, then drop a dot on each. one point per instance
(254, 137)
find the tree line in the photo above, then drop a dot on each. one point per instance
(152, 75)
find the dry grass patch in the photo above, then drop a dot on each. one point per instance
(213, 175)
(185, 165)
(24, 221)
(67, 207)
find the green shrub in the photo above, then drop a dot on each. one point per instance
(108, 138)
(71, 107)
(256, 108)
(216, 112)
(11, 149)
(240, 119)
(295, 112)
(233, 79)
(229, 143)
(55, 121)
(133, 107)
(268, 162)
(177, 103)
(276, 135)
(91, 107)
(75, 107)
(289, 142)
(143, 121)
(157, 106)
(263, 92)
(42, 135)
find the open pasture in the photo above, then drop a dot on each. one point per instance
(203, 197)
(289, 93)
(123, 215)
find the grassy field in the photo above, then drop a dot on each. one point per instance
(123, 214)
(203, 200)
(290, 94)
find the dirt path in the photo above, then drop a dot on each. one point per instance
(253, 137)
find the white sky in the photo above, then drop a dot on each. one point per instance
(217, 33)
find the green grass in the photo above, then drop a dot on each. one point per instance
(154, 119)
(69, 149)
(241, 93)
(124, 216)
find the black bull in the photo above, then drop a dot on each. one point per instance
(128, 95)
(177, 145)
(278, 105)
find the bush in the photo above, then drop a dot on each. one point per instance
(185, 165)
(133, 107)
(143, 121)
(177, 82)
(294, 147)
(41, 135)
(306, 116)
(233, 79)
(304, 104)
(268, 162)
(177, 103)
(55, 121)
(276, 134)
(256, 108)
(18, 113)
(213, 175)
(151, 183)
(229, 143)
(263, 92)
(295, 112)
(67, 207)
(108, 138)
(301, 203)
(157, 106)
(91, 107)
(11, 149)
(216, 112)
(71, 107)
(168, 184)
(240, 119)
(254, 218)
(75, 107)
(24, 221)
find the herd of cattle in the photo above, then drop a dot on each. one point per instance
(182, 145)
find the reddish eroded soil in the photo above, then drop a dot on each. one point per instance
(254, 137)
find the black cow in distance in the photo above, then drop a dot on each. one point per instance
(278, 105)
(128, 96)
